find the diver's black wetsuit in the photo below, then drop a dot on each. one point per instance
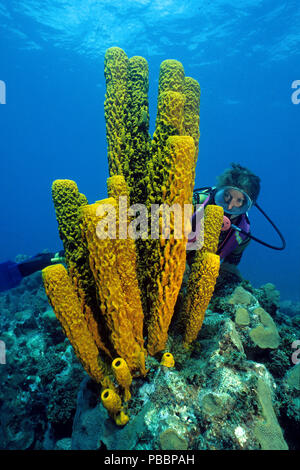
(235, 256)
(38, 262)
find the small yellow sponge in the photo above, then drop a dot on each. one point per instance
(167, 360)
(112, 402)
(123, 375)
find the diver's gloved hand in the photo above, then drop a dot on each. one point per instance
(40, 261)
(58, 258)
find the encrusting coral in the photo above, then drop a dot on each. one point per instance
(117, 288)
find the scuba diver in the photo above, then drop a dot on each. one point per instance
(237, 191)
(11, 274)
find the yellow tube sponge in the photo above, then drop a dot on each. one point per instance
(138, 142)
(115, 107)
(123, 375)
(112, 402)
(126, 264)
(127, 119)
(213, 220)
(170, 121)
(126, 261)
(111, 262)
(67, 308)
(171, 76)
(121, 419)
(191, 111)
(169, 254)
(204, 273)
(116, 187)
(167, 360)
(201, 284)
(68, 202)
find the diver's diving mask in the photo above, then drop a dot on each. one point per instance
(233, 200)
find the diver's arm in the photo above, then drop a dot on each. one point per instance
(38, 262)
(11, 273)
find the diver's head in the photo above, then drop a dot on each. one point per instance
(237, 190)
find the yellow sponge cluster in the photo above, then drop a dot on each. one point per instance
(111, 265)
(117, 289)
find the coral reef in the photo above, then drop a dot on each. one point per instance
(227, 393)
(41, 376)
(216, 398)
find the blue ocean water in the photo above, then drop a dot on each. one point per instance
(244, 54)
